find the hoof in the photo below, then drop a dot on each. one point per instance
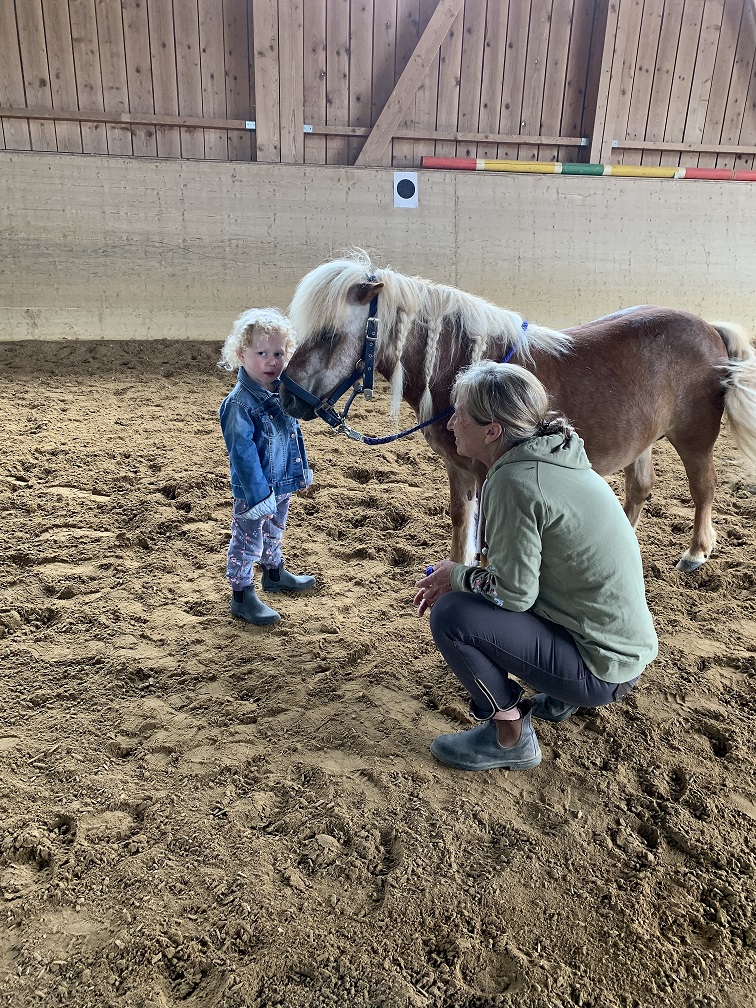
(688, 566)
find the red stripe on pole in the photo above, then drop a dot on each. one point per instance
(713, 174)
(745, 176)
(458, 163)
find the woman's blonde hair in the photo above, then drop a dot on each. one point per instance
(511, 396)
(254, 324)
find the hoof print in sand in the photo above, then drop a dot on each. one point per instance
(27, 862)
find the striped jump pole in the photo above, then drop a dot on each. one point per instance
(562, 168)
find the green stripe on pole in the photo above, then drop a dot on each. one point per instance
(582, 169)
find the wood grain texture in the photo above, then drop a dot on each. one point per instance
(189, 74)
(183, 79)
(290, 44)
(618, 124)
(576, 83)
(494, 53)
(136, 33)
(608, 65)
(15, 132)
(62, 74)
(115, 92)
(473, 43)
(237, 57)
(555, 76)
(88, 73)
(314, 78)
(426, 50)
(212, 72)
(745, 55)
(513, 82)
(338, 64)
(426, 96)
(688, 50)
(164, 75)
(361, 76)
(711, 30)
(535, 71)
(664, 76)
(400, 152)
(449, 72)
(33, 48)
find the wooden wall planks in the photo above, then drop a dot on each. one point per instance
(136, 32)
(162, 40)
(338, 63)
(239, 83)
(647, 81)
(314, 78)
(15, 132)
(189, 76)
(36, 72)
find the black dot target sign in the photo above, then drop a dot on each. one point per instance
(405, 189)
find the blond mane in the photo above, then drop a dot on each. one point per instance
(321, 304)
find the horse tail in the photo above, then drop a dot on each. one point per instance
(740, 388)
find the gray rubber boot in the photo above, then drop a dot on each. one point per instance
(247, 606)
(479, 749)
(276, 579)
(548, 709)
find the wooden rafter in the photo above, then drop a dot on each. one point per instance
(609, 70)
(425, 52)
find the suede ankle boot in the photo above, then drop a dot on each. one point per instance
(247, 606)
(276, 579)
(479, 749)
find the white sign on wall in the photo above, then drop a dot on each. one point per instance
(405, 189)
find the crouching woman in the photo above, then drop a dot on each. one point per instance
(560, 605)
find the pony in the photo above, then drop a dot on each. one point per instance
(625, 380)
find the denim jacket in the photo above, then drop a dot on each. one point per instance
(265, 446)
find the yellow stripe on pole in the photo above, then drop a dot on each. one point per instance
(640, 171)
(537, 167)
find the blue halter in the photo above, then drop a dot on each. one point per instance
(364, 370)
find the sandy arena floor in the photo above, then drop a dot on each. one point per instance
(197, 812)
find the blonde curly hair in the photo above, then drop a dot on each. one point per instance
(252, 325)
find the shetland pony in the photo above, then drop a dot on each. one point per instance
(625, 380)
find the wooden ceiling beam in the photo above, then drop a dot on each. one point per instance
(411, 78)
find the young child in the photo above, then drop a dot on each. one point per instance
(267, 459)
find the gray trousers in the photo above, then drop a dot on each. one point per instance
(484, 645)
(254, 540)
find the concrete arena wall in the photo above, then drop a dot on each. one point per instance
(125, 248)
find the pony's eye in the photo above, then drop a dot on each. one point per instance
(326, 336)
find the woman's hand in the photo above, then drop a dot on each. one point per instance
(433, 586)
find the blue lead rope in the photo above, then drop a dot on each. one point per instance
(426, 423)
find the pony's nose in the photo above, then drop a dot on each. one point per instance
(294, 406)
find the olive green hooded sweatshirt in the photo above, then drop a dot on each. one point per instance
(559, 544)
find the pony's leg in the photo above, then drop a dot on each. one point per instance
(639, 479)
(461, 509)
(702, 479)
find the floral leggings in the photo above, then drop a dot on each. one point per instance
(254, 540)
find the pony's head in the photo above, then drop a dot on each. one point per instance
(329, 313)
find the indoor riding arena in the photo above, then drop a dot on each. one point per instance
(198, 811)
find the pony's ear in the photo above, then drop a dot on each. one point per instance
(365, 292)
